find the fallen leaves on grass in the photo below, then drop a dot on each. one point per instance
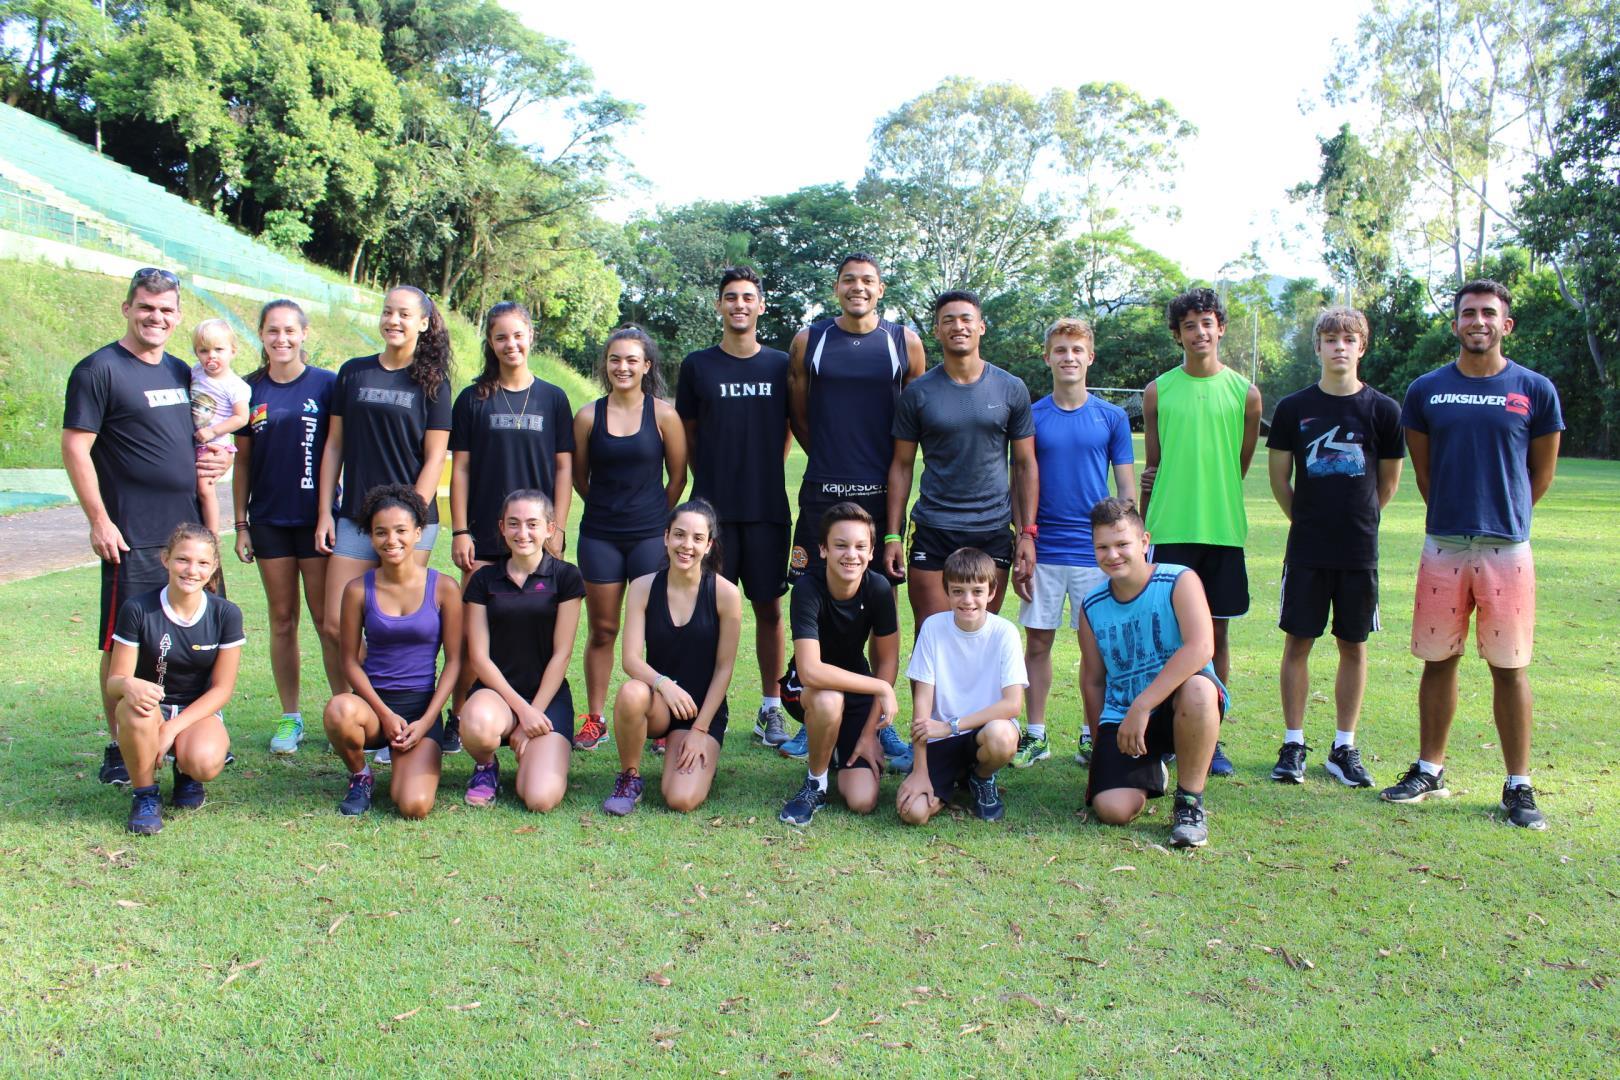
(1087, 960)
(337, 922)
(468, 1007)
(658, 978)
(129, 903)
(1298, 963)
(237, 970)
(523, 830)
(405, 1015)
(824, 1021)
(1026, 997)
(1123, 868)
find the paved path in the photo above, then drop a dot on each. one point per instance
(44, 541)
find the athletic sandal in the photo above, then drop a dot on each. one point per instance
(987, 802)
(1344, 765)
(1290, 767)
(1416, 786)
(188, 794)
(358, 800)
(485, 783)
(590, 733)
(113, 770)
(145, 811)
(1188, 827)
(802, 807)
(1519, 804)
(1031, 748)
(770, 726)
(896, 750)
(289, 733)
(627, 787)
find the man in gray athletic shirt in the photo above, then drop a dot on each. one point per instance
(965, 414)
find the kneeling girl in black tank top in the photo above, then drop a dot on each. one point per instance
(624, 444)
(396, 620)
(521, 616)
(687, 618)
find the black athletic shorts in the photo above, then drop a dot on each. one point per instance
(1309, 591)
(1222, 570)
(139, 570)
(283, 542)
(950, 761)
(560, 712)
(1111, 769)
(754, 554)
(930, 547)
(409, 705)
(814, 501)
(857, 707)
(614, 562)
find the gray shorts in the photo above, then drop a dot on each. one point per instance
(353, 542)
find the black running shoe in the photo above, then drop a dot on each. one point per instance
(188, 794)
(145, 811)
(987, 804)
(451, 742)
(112, 766)
(358, 800)
(1187, 826)
(803, 806)
(1290, 767)
(1344, 765)
(1416, 786)
(1519, 804)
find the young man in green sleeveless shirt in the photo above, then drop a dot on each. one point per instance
(1200, 424)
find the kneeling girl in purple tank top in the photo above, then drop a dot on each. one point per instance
(395, 622)
(680, 644)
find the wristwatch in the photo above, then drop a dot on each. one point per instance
(956, 725)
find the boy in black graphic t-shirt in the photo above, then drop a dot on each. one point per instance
(733, 399)
(1335, 459)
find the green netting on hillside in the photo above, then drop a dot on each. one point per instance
(183, 235)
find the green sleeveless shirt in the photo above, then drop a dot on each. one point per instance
(1198, 491)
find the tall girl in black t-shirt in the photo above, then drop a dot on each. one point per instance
(390, 425)
(397, 620)
(509, 431)
(687, 618)
(522, 613)
(278, 460)
(624, 445)
(175, 654)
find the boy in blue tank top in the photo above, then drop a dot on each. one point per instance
(1146, 645)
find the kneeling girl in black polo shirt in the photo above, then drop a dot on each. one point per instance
(175, 653)
(688, 619)
(396, 620)
(521, 616)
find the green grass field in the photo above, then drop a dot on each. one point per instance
(1321, 932)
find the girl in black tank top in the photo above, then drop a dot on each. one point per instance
(622, 480)
(679, 689)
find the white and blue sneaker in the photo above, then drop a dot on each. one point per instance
(289, 733)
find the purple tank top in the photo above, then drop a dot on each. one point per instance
(402, 651)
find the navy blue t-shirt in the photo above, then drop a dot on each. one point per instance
(287, 427)
(1479, 433)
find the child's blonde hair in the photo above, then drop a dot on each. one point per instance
(208, 327)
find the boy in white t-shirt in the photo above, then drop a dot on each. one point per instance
(219, 403)
(967, 689)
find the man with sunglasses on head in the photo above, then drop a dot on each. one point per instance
(129, 449)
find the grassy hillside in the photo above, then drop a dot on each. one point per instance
(54, 317)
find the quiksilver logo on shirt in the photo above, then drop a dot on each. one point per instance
(1468, 399)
